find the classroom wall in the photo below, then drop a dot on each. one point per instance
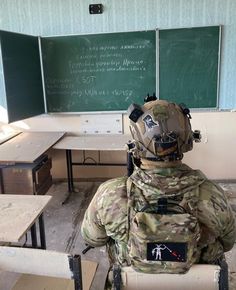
(59, 17)
(214, 155)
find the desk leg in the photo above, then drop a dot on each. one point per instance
(42, 232)
(1, 183)
(34, 236)
(69, 175)
(69, 171)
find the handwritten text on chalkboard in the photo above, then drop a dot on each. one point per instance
(99, 72)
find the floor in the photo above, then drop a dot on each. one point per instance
(63, 221)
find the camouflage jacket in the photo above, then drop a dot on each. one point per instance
(106, 221)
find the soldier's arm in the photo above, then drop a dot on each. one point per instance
(106, 216)
(92, 230)
(216, 214)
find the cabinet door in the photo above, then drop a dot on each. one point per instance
(42, 176)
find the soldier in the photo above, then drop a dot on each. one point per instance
(164, 202)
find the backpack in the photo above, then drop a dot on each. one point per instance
(162, 235)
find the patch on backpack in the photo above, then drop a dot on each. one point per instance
(166, 251)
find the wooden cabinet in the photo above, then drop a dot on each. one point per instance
(26, 178)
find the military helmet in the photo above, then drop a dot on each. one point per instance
(161, 130)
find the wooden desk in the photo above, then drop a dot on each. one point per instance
(4, 137)
(97, 143)
(18, 214)
(24, 168)
(27, 146)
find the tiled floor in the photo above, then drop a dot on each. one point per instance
(62, 223)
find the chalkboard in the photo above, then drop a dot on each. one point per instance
(22, 75)
(102, 72)
(188, 71)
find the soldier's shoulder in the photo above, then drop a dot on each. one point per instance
(188, 170)
(114, 182)
(113, 185)
(210, 189)
(207, 187)
(111, 195)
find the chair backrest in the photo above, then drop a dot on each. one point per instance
(41, 262)
(197, 278)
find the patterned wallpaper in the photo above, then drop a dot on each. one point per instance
(61, 17)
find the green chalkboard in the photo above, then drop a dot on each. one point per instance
(102, 72)
(22, 75)
(188, 71)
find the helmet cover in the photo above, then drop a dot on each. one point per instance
(161, 130)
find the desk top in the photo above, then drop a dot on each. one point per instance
(97, 142)
(18, 213)
(28, 146)
(7, 136)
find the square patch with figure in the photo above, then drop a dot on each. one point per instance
(167, 251)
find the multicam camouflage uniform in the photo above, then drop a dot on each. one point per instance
(162, 133)
(106, 220)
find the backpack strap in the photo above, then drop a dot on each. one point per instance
(129, 184)
(130, 205)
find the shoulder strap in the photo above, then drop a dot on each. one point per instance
(129, 205)
(130, 184)
(130, 196)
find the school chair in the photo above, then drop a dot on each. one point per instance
(199, 277)
(42, 263)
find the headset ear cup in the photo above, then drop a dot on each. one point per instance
(134, 112)
(197, 136)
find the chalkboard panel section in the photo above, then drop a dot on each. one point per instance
(3, 105)
(102, 72)
(189, 66)
(22, 75)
